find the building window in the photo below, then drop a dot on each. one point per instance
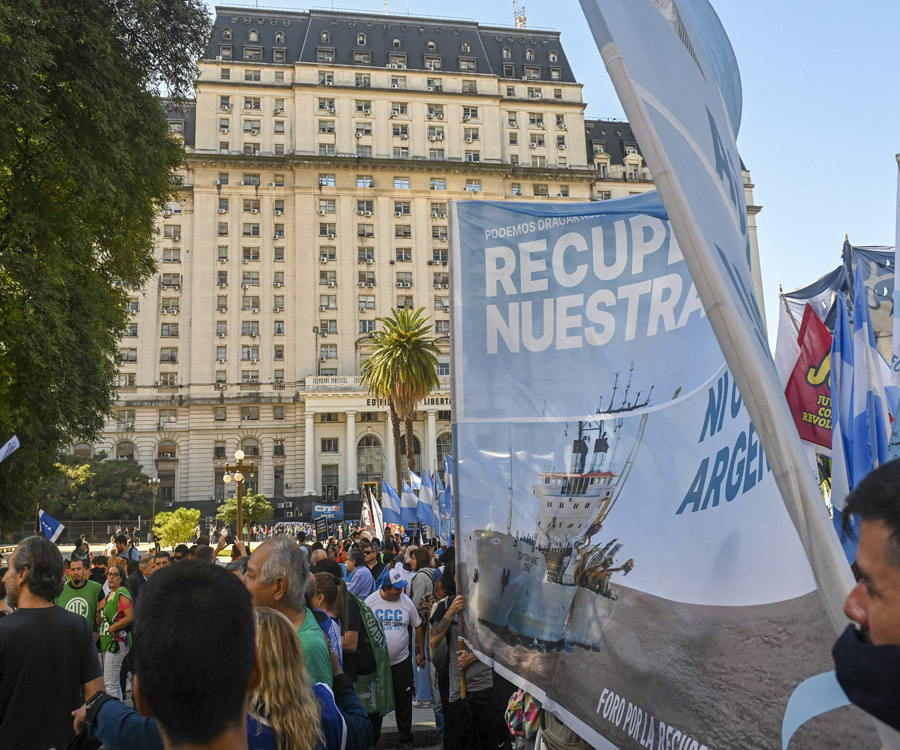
(325, 55)
(366, 326)
(438, 183)
(365, 181)
(249, 413)
(326, 180)
(363, 58)
(401, 183)
(360, 40)
(278, 413)
(330, 445)
(473, 186)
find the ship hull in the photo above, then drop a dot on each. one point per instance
(541, 611)
(490, 557)
(590, 613)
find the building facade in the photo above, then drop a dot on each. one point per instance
(323, 148)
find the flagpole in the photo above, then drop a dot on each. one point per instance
(787, 309)
(37, 519)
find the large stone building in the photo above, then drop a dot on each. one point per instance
(322, 150)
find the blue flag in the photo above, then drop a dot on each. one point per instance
(861, 429)
(390, 504)
(425, 506)
(408, 505)
(415, 481)
(50, 526)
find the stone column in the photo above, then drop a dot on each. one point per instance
(309, 486)
(389, 475)
(430, 456)
(351, 482)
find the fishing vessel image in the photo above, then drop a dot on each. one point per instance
(554, 585)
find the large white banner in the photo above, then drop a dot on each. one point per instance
(624, 547)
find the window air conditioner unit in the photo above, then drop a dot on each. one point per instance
(331, 235)
(254, 309)
(332, 284)
(245, 261)
(323, 259)
(367, 111)
(278, 284)
(321, 212)
(362, 309)
(221, 334)
(370, 283)
(164, 311)
(398, 213)
(323, 359)
(465, 118)
(394, 85)
(279, 211)
(221, 361)
(468, 139)
(169, 503)
(370, 261)
(277, 309)
(280, 505)
(223, 210)
(322, 308)
(223, 284)
(361, 284)
(404, 136)
(407, 284)
(245, 286)
(445, 286)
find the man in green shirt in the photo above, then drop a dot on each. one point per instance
(80, 595)
(277, 575)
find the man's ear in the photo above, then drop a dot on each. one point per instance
(139, 702)
(280, 588)
(255, 673)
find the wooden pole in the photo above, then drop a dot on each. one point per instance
(37, 519)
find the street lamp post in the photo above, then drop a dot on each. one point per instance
(237, 471)
(154, 485)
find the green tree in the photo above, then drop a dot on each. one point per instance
(93, 488)
(175, 528)
(86, 163)
(402, 369)
(256, 509)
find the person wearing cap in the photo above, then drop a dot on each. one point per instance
(396, 613)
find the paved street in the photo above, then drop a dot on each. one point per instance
(424, 732)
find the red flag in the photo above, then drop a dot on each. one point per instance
(808, 390)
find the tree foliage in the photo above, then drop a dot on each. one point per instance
(175, 528)
(92, 488)
(86, 162)
(256, 509)
(402, 368)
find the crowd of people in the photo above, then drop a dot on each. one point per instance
(321, 641)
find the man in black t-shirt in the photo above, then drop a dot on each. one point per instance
(371, 551)
(48, 663)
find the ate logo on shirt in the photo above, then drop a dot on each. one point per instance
(78, 605)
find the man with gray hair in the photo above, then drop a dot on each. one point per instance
(136, 580)
(361, 582)
(277, 575)
(48, 661)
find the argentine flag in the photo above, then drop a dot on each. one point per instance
(390, 504)
(50, 526)
(415, 481)
(408, 505)
(861, 428)
(425, 506)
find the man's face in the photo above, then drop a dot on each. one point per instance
(875, 601)
(263, 593)
(162, 562)
(11, 581)
(369, 554)
(121, 546)
(76, 572)
(391, 593)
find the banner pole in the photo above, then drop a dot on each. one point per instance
(37, 519)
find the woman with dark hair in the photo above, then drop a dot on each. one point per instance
(331, 597)
(115, 615)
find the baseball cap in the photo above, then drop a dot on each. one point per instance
(396, 580)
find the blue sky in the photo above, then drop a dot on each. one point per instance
(819, 129)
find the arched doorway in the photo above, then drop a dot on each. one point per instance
(369, 460)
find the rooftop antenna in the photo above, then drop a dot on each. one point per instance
(519, 14)
(386, 9)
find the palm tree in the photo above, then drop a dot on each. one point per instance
(403, 370)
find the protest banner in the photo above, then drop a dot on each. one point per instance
(624, 549)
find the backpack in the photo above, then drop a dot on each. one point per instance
(427, 602)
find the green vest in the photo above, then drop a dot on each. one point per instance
(107, 617)
(82, 601)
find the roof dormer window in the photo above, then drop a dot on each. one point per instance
(326, 37)
(279, 37)
(465, 47)
(432, 45)
(529, 55)
(553, 56)
(396, 43)
(253, 36)
(226, 33)
(360, 40)
(507, 54)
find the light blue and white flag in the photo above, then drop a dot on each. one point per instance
(10, 445)
(861, 428)
(448, 491)
(408, 505)
(390, 504)
(50, 526)
(425, 506)
(415, 481)
(441, 517)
